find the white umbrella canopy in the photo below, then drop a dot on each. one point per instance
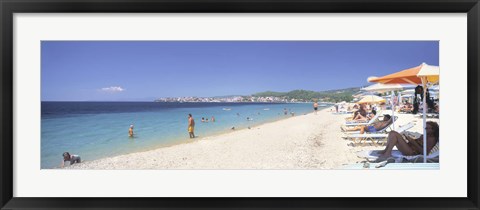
(361, 95)
(410, 91)
(434, 89)
(382, 88)
(429, 73)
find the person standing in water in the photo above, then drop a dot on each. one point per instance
(130, 131)
(191, 126)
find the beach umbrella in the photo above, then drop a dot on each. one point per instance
(382, 88)
(410, 91)
(424, 74)
(372, 99)
(411, 76)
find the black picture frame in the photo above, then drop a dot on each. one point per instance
(10, 7)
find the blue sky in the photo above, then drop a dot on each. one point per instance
(145, 70)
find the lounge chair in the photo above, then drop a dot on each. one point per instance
(376, 138)
(432, 156)
(429, 115)
(372, 155)
(383, 130)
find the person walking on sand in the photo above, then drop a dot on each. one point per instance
(130, 131)
(191, 126)
(315, 106)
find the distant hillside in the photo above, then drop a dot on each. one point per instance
(308, 95)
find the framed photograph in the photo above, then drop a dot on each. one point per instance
(239, 104)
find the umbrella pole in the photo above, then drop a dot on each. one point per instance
(424, 119)
(392, 103)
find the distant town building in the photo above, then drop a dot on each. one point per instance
(233, 99)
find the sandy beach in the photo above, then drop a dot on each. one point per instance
(311, 141)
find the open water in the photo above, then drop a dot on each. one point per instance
(96, 130)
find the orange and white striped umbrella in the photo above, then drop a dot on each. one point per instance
(411, 76)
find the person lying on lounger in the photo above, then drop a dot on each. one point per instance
(371, 128)
(368, 118)
(406, 108)
(361, 114)
(410, 146)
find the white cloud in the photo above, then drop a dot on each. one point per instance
(112, 89)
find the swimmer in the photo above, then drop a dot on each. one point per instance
(130, 131)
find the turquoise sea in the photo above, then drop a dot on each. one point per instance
(96, 130)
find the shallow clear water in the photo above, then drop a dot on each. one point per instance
(96, 130)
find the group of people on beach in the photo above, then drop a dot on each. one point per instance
(72, 159)
(407, 145)
(432, 105)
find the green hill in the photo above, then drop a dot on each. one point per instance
(308, 95)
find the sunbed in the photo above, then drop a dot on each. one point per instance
(429, 115)
(383, 130)
(432, 156)
(376, 138)
(372, 155)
